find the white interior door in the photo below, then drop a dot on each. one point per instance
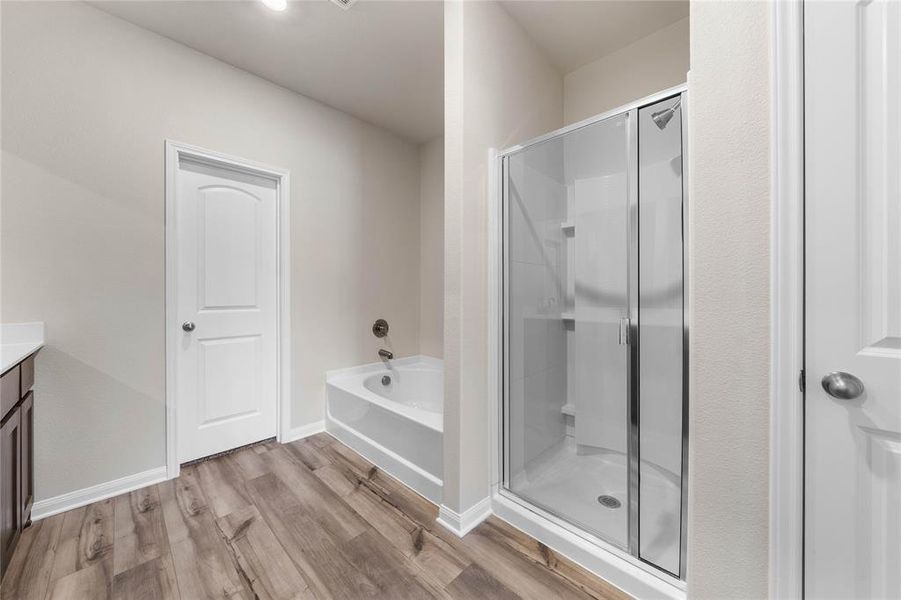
(853, 299)
(225, 369)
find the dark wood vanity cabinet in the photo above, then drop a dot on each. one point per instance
(16, 455)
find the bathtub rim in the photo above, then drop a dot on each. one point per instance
(374, 367)
(351, 380)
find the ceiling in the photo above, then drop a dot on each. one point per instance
(573, 33)
(381, 61)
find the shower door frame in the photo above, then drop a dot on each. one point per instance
(498, 309)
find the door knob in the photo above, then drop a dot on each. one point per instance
(188, 326)
(843, 386)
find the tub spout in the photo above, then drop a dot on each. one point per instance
(386, 354)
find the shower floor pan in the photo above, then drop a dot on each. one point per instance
(571, 485)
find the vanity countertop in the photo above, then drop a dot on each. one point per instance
(18, 341)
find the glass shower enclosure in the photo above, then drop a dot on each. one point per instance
(594, 334)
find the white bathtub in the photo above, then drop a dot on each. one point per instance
(398, 426)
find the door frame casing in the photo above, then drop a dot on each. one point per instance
(786, 504)
(174, 151)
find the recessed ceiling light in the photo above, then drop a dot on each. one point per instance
(276, 4)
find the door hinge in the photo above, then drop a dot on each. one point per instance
(802, 382)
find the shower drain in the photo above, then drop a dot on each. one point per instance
(609, 501)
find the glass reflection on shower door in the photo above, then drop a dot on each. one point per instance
(566, 293)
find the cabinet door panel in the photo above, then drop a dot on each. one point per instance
(10, 486)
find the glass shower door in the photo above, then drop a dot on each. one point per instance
(594, 330)
(567, 299)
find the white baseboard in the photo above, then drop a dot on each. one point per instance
(102, 491)
(298, 433)
(95, 493)
(462, 523)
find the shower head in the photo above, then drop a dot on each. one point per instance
(662, 117)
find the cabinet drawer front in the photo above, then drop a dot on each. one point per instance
(9, 391)
(26, 375)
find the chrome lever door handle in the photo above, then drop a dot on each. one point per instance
(842, 386)
(188, 326)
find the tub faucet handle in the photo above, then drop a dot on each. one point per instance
(380, 328)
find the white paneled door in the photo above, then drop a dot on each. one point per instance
(226, 356)
(852, 127)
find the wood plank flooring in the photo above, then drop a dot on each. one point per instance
(309, 519)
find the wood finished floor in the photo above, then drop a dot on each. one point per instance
(309, 519)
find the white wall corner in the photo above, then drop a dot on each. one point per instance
(462, 523)
(95, 493)
(304, 431)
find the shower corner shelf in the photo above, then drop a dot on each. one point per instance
(568, 316)
(568, 227)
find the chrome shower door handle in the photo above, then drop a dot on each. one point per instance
(624, 331)
(842, 386)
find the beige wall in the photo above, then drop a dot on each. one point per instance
(431, 234)
(87, 102)
(500, 89)
(729, 300)
(651, 64)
